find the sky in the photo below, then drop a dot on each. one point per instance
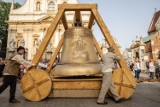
(125, 19)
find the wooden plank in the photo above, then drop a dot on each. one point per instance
(98, 48)
(91, 20)
(48, 69)
(124, 85)
(121, 81)
(70, 85)
(74, 7)
(71, 80)
(75, 94)
(33, 86)
(64, 21)
(77, 17)
(108, 36)
(47, 37)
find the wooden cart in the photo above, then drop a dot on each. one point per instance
(37, 84)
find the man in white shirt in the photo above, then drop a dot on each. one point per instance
(107, 84)
(137, 69)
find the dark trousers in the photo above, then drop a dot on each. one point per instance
(137, 73)
(9, 80)
(151, 75)
(157, 73)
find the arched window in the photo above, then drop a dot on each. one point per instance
(38, 6)
(51, 5)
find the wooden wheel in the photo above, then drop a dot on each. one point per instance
(36, 85)
(125, 82)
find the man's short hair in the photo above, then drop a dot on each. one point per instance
(110, 49)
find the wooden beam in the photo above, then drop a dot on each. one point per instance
(108, 36)
(47, 37)
(74, 7)
(91, 20)
(52, 60)
(64, 21)
(98, 48)
(78, 18)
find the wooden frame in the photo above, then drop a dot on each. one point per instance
(125, 83)
(61, 15)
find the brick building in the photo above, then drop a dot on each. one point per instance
(152, 41)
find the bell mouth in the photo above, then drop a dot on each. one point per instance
(76, 70)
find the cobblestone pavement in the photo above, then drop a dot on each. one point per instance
(147, 95)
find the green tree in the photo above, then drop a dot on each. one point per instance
(4, 16)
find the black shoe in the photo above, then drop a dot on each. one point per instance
(104, 103)
(14, 101)
(120, 100)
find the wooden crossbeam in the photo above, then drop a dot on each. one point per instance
(74, 7)
(33, 86)
(78, 18)
(64, 21)
(124, 85)
(47, 37)
(98, 48)
(49, 67)
(91, 21)
(108, 36)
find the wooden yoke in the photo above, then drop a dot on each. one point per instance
(62, 8)
(77, 8)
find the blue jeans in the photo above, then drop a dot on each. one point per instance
(137, 73)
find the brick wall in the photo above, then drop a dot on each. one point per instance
(155, 43)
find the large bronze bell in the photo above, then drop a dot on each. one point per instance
(78, 54)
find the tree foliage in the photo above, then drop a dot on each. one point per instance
(4, 16)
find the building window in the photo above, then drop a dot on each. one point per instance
(64, 2)
(51, 5)
(38, 5)
(137, 55)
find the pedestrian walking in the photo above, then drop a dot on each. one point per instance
(147, 67)
(137, 69)
(151, 68)
(157, 73)
(131, 66)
